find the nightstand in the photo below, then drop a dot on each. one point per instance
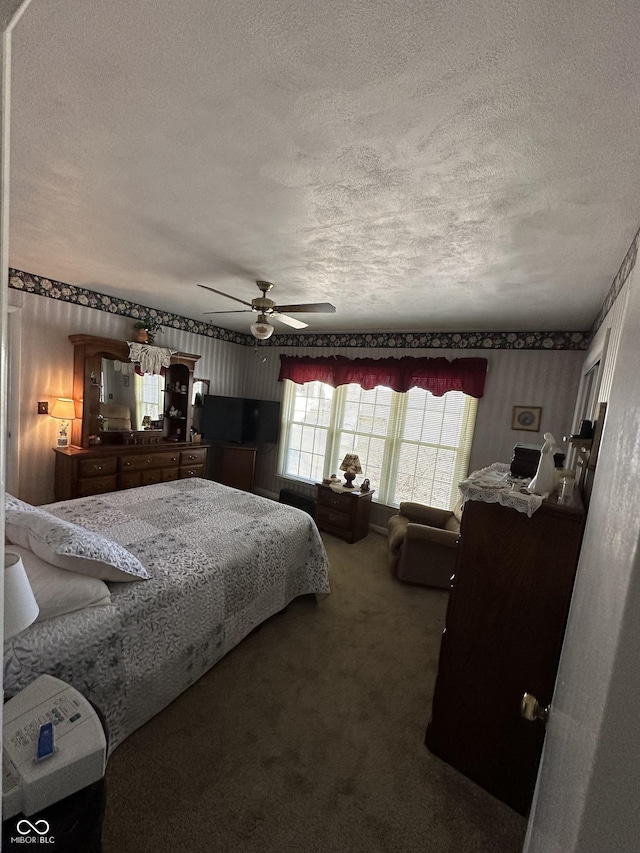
(343, 513)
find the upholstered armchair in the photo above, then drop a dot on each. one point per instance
(423, 543)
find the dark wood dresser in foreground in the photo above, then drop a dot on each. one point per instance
(96, 470)
(504, 629)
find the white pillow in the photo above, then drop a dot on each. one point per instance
(58, 591)
(70, 547)
(21, 533)
(15, 503)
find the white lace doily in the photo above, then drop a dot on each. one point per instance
(151, 359)
(496, 485)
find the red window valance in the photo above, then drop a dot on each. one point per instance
(437, 375)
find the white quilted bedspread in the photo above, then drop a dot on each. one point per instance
(221, 562)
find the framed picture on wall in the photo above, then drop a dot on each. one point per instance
(527, 418)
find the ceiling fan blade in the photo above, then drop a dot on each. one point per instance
(289, 321)
(309, 308)
(237, 311)
(220, 293)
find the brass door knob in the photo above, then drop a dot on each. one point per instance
(531, 709)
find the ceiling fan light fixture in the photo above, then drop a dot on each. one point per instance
(261, 329)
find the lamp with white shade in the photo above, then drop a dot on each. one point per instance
(20, 606)
(64, 410)
(351, 466)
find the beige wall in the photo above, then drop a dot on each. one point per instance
(46, 372)
(516, 377)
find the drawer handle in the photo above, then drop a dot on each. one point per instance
(127, 464)
(97, 467)
(148, 461)
(192, 456)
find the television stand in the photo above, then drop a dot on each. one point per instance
(237, 466)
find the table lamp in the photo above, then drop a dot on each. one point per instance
(351, 467)
(20, 606)
(64, 410)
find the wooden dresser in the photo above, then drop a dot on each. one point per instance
(344, 514)
(504, 629)
(96, 470)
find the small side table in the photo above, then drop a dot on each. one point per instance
(343, 513)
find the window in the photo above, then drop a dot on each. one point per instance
(306, 421)
(412, 446)
(148, 395)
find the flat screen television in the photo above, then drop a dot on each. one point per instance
(240, 420)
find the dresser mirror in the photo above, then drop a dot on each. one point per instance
(128, 401)
(200, 390)
(112, 394)
(118, 406)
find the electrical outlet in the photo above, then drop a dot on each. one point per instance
(43, 408)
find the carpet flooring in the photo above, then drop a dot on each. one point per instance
(309, 736)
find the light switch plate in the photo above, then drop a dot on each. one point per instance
(43, 408)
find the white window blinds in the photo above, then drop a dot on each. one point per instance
(412, 446)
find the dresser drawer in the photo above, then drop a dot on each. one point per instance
(98, 467)
(191, 471)
(335, 500)
(153, 475)
(129, 480)
(138, 461)
(327, 517)
(190, 457)
(97, 485)
(170, 474)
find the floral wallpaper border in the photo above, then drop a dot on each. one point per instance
(28, 283)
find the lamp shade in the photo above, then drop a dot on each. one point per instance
(351, 463)
(261, 329)
(20, 607)
(64, 409)
(351, 466)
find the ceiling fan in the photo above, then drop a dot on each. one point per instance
(266, 308)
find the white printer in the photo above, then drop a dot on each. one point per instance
(44, 763)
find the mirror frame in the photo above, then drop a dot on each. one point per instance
(88, 352)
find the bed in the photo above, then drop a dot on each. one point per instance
(220, 562)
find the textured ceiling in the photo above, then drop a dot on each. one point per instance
(424, 166)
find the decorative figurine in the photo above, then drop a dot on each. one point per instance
(545, 478)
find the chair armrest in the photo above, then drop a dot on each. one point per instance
(422, 514)
(432, 534)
